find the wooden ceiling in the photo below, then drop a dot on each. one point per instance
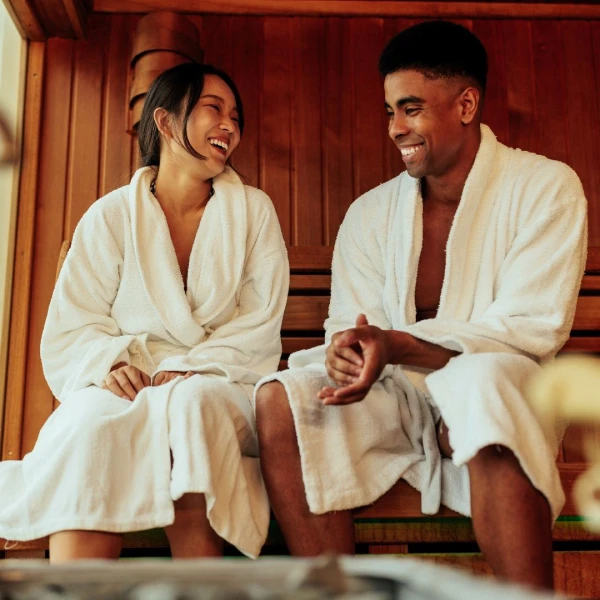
(40, 19)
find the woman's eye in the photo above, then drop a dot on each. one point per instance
(215, 106)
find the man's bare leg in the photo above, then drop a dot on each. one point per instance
(306, 534)
(510, 517)
(67, 546)
(191, 535)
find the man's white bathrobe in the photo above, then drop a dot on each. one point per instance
(514, 261)
(104, 463)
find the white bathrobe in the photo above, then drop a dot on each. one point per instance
(104, 463)
(514, 261)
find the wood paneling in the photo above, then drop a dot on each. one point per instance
(315, 139)
(355, 8)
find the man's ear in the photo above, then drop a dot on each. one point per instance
(163, 122)
(469, 103)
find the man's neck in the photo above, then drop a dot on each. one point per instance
(448, 188)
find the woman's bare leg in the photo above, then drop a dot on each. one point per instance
(67, 546)
(191, 535)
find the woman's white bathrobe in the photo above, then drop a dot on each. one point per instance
(514, 261)
(104, 463)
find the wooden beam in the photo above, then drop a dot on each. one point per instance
(37, 20)
(19, 321)
(354, 8)
(26, 20)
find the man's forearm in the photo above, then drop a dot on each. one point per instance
(404, 349)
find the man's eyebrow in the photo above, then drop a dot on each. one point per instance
(407, 100)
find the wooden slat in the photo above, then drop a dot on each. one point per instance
(338, 190)
(368, 144)
(549, 69)
(305, 313)
(582, 344)
(315, 258)
(24, 248)
(495, 107)
(591, 283)
(26, 20)
(307, 132)
(115, 153)
(592, 264)
(310, 282)
(246, 48)
(583, 124)
(293, 344)
(587, 316)
(276, 96)
(519, 79)
(56, 119)
(375, 8)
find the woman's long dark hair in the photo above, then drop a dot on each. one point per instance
(177, 90)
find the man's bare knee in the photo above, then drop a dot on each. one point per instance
(273, 413)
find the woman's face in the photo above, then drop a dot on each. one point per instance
(213, 127)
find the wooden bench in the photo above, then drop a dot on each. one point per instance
(394, 524)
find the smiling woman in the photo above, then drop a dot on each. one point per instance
(166, 313)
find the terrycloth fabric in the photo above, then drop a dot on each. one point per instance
(105, 463)
(514, 262)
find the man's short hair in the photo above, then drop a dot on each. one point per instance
(436, 49)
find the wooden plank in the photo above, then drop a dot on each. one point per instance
(26, 20)
(587, 315)
(338, 189)
(355, 8)
(591, 283)
(215, 37)
(519, 79)
(495, 105)
(305, 313)
(369, 125)
(115, 153)
(276, 97)
(316, 258)
(549, 74)
(246, 50)
(592, 264)
(24, 248)
(311, 282)
(582, 344)
(293, 344)
(307, 138)
(86, 116)
(56, 119)
(583, 125)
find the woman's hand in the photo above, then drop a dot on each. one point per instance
(163, 377)
(125, 381)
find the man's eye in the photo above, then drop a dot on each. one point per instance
(411, 111)
(390, 115)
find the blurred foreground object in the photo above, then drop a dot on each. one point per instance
(569, 389)
(265, 579)
(8, 150)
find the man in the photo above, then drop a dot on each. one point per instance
(450, 284)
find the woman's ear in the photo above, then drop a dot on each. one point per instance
(163, 122)
(469, 103)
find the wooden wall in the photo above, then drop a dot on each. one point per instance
(315, 138)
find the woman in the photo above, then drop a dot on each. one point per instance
(166, 313)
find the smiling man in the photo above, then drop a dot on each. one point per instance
(451, 284)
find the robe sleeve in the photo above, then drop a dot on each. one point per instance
(249, 346)
(81, 341)
(536, 290)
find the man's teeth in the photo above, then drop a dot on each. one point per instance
(220, 144)
(409, 150)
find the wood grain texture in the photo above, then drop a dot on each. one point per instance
(24, 249)
(371, 8)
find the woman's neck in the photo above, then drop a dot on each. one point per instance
(179, 193)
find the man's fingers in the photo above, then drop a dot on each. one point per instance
(361, 320)
(146, 380)
(351, 355)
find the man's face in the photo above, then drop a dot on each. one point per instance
(425, 121)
